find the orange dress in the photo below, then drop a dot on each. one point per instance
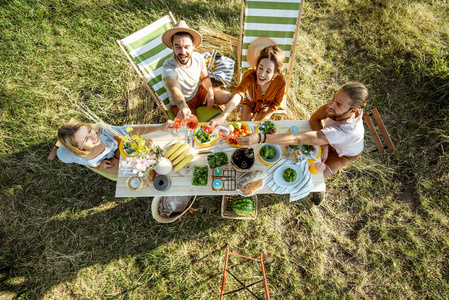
(251, 92)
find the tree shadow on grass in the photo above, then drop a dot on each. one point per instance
(58, 219)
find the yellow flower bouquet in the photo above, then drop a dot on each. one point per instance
(143, 156)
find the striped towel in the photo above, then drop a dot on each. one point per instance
(297, 191)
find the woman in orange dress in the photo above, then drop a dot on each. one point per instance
(261, 89)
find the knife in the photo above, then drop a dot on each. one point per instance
(216, 150)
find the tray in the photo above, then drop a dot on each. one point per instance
(227, 213)
(228, 178)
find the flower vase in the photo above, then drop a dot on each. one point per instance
(164, 166)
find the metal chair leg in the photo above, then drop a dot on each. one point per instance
(244, 286)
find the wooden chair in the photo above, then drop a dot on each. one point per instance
(53, 154)
(380, 124)
(146, 52)
(278, 20)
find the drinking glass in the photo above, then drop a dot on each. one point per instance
(191, 122)
(223, 132)
(207, 129)
(317, 168)
(177, 123)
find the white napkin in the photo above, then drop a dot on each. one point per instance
(298, 191)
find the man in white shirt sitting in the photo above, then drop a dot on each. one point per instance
(341, 139)
(185, 75)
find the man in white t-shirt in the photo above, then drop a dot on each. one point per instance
(341, 139)
(185, 75)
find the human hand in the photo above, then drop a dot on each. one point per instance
(167, 125)
(324, 152)
(249, 139)
(106, 164)
(216, 122)
(184, 113)
(209, 99)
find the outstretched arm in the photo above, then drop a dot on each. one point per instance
(174, 88)
(315, 121)
(232, 104)
(307, 137)
(141, 130)
(319, 115)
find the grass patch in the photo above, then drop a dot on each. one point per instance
(381, 233)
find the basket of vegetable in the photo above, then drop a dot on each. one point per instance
(239, 207)
(202, 138)
(270, 154)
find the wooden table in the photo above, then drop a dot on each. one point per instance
(182, 185)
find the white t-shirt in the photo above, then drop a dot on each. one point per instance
(188, 78)
(346, 136)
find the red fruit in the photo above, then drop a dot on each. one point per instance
(313, 150)
(274, 130)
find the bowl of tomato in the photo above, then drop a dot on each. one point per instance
(238, 129)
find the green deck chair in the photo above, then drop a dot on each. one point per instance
(278, 20)
(146, 52)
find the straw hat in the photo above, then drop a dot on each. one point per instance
(255, 47)
(181, 26)
(174, 217)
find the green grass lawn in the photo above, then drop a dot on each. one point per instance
(383, 231)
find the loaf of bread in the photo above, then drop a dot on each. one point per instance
(251, 182)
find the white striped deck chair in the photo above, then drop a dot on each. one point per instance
(276, 19)
(147, 53)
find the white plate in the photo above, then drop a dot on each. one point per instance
(279, 178)
(276, 126)
(211, 142)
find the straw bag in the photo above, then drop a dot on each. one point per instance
(219, 67)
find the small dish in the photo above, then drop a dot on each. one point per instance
(263, 123)
(210, 143)
(122, 150)
(313, 156)
(135, 183)
(270, 161)
(278, 175)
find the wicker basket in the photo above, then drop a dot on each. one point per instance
(173, 217)
(228, 213)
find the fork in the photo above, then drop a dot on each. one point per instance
(188, 137)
